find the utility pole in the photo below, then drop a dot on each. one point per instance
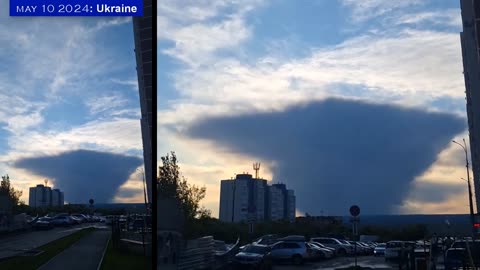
(470, 199)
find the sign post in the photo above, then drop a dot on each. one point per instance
(355, 212)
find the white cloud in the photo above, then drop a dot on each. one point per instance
(198, 30)
(449, 17)
(366, 9)
(410, 68)
(103, 103)
(195, 43)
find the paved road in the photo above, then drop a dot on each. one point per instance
(83, 255)
(340, 262)
(13, 245)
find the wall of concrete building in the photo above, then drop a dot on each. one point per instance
(469, 42)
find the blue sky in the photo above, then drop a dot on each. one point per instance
(67, 84)
(226, 58)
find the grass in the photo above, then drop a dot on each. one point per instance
(120, 260)
(50, 250)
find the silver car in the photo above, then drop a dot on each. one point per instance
(323, 253)
(340, 248)
(379, 250)
(253, 256)
(295, 252)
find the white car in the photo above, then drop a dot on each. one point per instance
(393, 249)
(324, 252)
(340, 248)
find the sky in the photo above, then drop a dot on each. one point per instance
(70, 109)
(347, 102)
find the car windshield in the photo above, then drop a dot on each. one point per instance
(381, 245)
(256, 249)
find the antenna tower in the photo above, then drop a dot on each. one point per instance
(256, 167)
(46, 182)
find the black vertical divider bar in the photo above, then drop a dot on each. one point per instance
(153, 203)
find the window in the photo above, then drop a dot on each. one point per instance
(291, 245)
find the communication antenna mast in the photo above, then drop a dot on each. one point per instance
(256, 167)
(46, 182)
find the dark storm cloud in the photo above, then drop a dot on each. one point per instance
(339, 152)
(83, 174)
(129, 192)
(436, 192)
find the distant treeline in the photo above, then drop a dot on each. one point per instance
(69, 208)
(229, 232)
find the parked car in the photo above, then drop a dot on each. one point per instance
(369, 249)
(79, 217)
(340, 248)
(43, 223)
(76, 220)
(362, 250)
(394, 249)
(379, 250)
(320, 252)
(289, 251)
(62, 221)
(323, 246)
(268, 239)
(253, 256)
(108, 220)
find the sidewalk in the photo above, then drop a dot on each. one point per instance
(13, 245)
(83, 255)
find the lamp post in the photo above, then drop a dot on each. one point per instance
(144, 191)
(146, 209)
(470, 200)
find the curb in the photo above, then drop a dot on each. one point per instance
(104, 251)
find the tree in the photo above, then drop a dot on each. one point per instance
(7, 189)
(172, 184)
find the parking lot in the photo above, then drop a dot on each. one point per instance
(340, 262)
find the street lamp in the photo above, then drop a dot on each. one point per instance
(144, 190)
(146, 209)
(470, 200)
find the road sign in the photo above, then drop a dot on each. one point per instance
(354, 210)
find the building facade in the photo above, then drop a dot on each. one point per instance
(470, 41)
(249, 199)
(42, 196)
(142, 29)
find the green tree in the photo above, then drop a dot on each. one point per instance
(7, 189)
(172, 184)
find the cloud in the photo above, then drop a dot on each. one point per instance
(448, 17)
(410, 68)
(83, 174)
(105, 103)
(431, 192)
(118, 135)
(341, 150)
(367, 9)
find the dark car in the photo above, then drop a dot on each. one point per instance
(62, 221)
(43, 223)
(379, 250)
(253, 257)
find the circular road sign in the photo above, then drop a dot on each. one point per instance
(355, 210)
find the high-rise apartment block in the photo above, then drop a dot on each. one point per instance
(250, 199)
(43, 196)
(470, 40)
(142, 30)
